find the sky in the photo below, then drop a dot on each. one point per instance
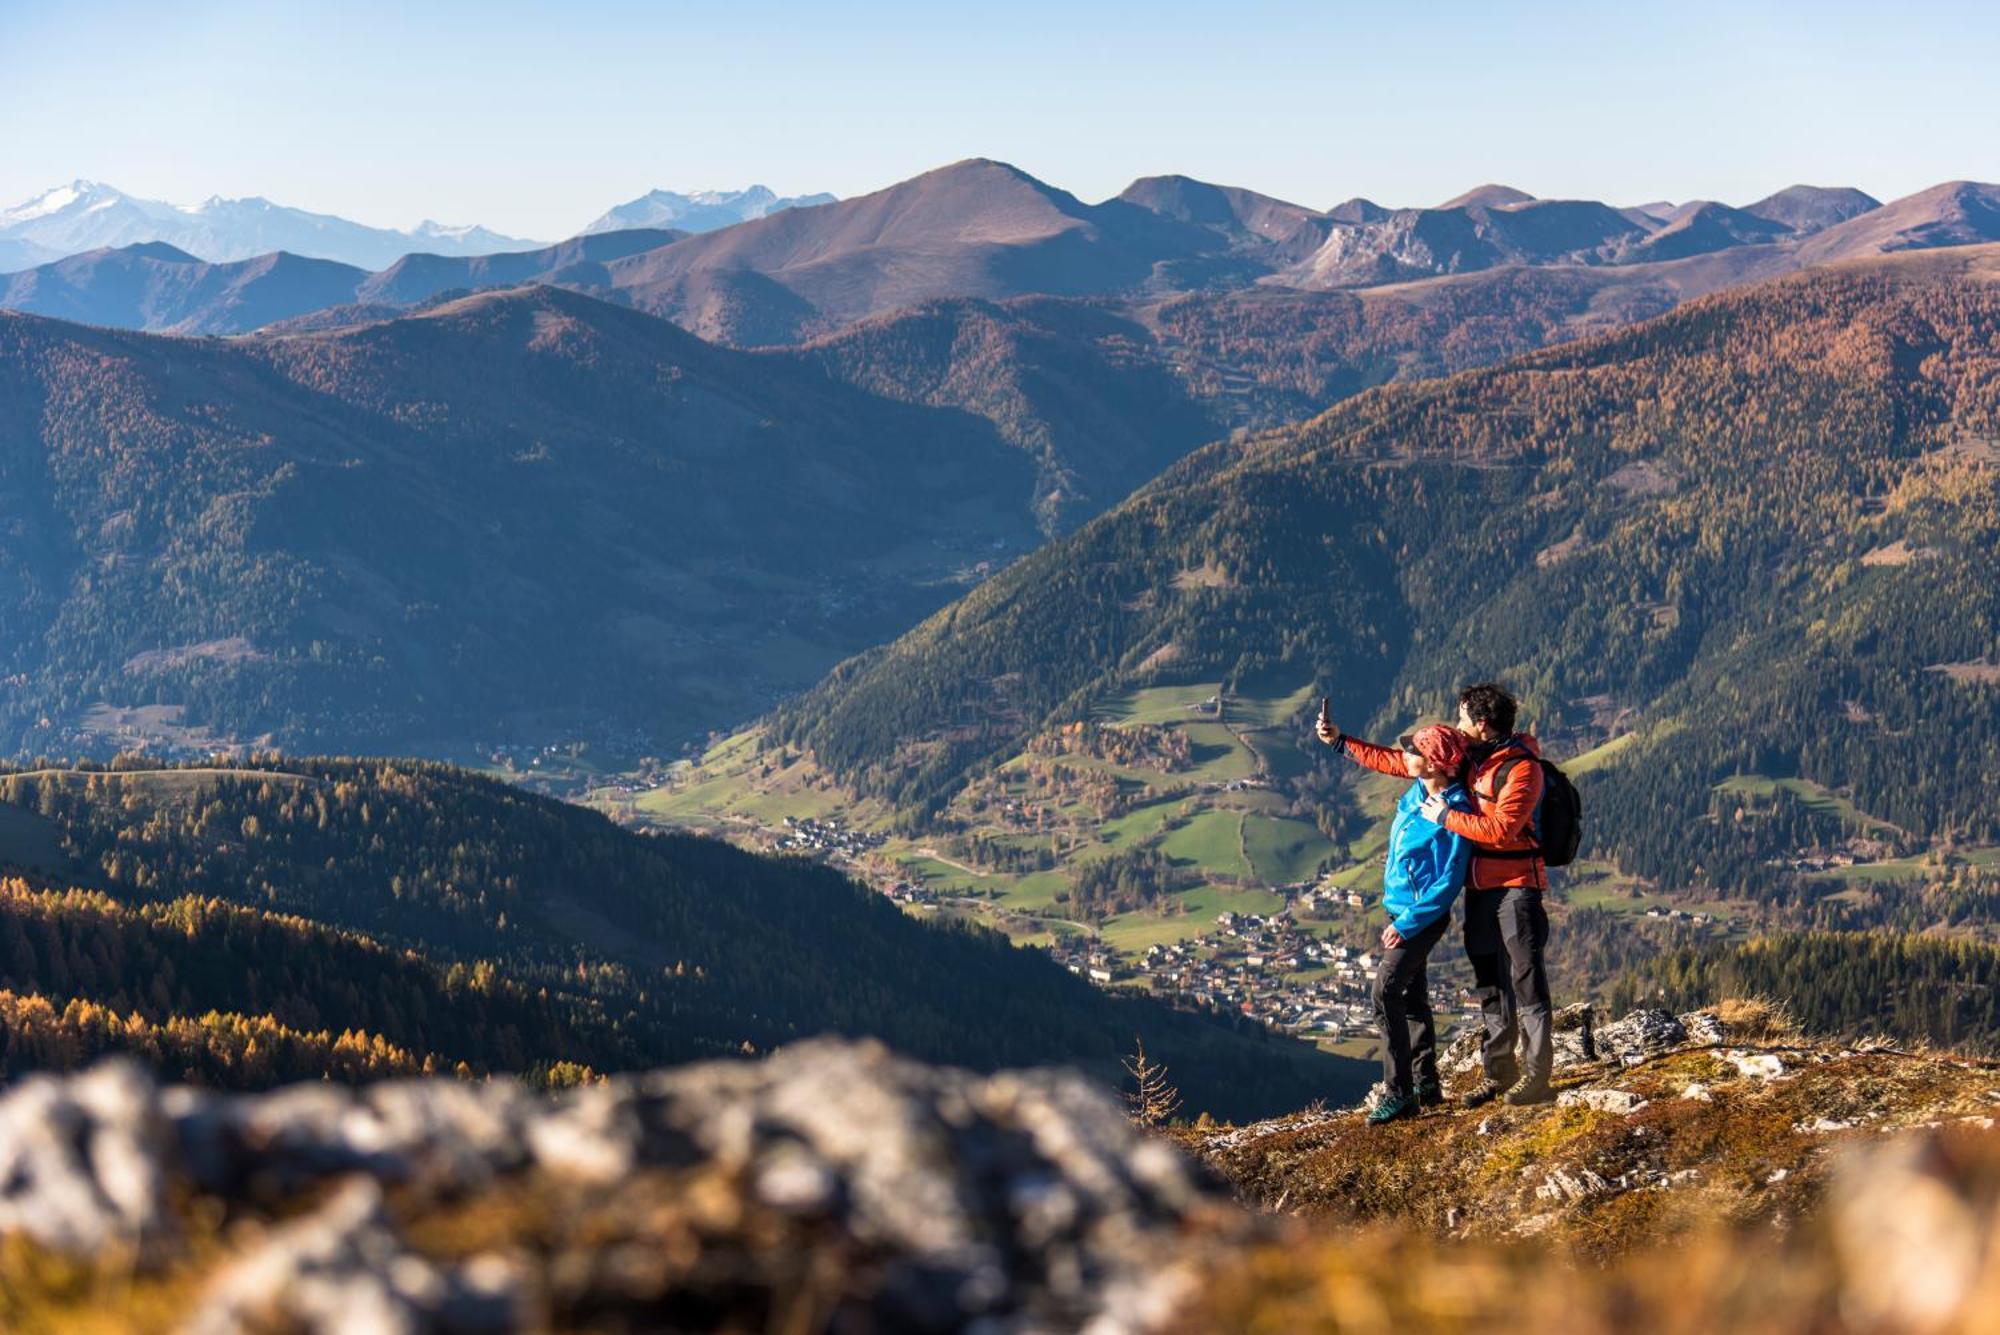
(533, 118)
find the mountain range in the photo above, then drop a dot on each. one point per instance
(913, 451)
(985, 230)
(88, 215)
(1001, 507)
(528, 512)
(85, 216)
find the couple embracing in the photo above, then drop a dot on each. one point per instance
(1472, 821)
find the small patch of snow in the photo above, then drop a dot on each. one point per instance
(42, 205)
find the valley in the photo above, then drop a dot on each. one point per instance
(1104, 749)
(1213, 892)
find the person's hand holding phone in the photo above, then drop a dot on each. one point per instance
(1324, 728)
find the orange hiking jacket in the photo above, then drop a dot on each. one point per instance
(1506, 791)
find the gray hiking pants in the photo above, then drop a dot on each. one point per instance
(1505, 933)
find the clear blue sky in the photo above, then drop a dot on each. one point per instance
(535, 117)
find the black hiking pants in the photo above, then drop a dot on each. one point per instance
(1403, 1011)
(1505, 934)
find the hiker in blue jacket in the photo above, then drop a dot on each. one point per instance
(1426, 870)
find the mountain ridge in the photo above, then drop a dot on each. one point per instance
(986, 230)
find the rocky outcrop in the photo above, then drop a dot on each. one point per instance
(831, 1178)
(1581, 1041)
(1724, 1112)
(1732, 1179)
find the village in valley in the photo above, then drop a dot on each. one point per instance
(1165, 841)
(1283, 968)
(1264, 968)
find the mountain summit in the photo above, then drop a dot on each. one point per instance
(976, 228)
(1813, 208)
(1488, 197)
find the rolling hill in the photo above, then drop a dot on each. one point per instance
(151, 285)
(1103, 394)
(516, 516)
(155, 287)
(1957, 213)
(973, 229)
(576, 263)
(1810, 208)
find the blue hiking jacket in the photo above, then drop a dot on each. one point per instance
(1427, 863)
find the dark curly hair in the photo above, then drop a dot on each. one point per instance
(1490, 703)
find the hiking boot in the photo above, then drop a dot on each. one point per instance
(1430, 1094)
(1393, 1108)
(1529, 1090)
(1482, 1093)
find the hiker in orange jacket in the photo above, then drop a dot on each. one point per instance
(1506, 925)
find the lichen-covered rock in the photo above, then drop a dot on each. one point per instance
(933, 1199)
(1578, 1040)
(1640, 1034)
(1704, 1026)
(1563, 1184)
(1619, 1101)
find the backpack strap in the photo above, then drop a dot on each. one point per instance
(1534, 854)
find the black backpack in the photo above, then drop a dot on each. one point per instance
(1559, 818)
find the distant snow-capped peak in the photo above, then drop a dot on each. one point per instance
(701, 210)
(88, 215)
(59, 198)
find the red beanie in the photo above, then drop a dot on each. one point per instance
(1441, 744)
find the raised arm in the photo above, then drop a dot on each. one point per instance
(1381, 759)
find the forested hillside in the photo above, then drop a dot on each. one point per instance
(1103, 394)
(521, 517)
(1933, 988)
(242, 926)
(238, 996)
(1753, 541)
